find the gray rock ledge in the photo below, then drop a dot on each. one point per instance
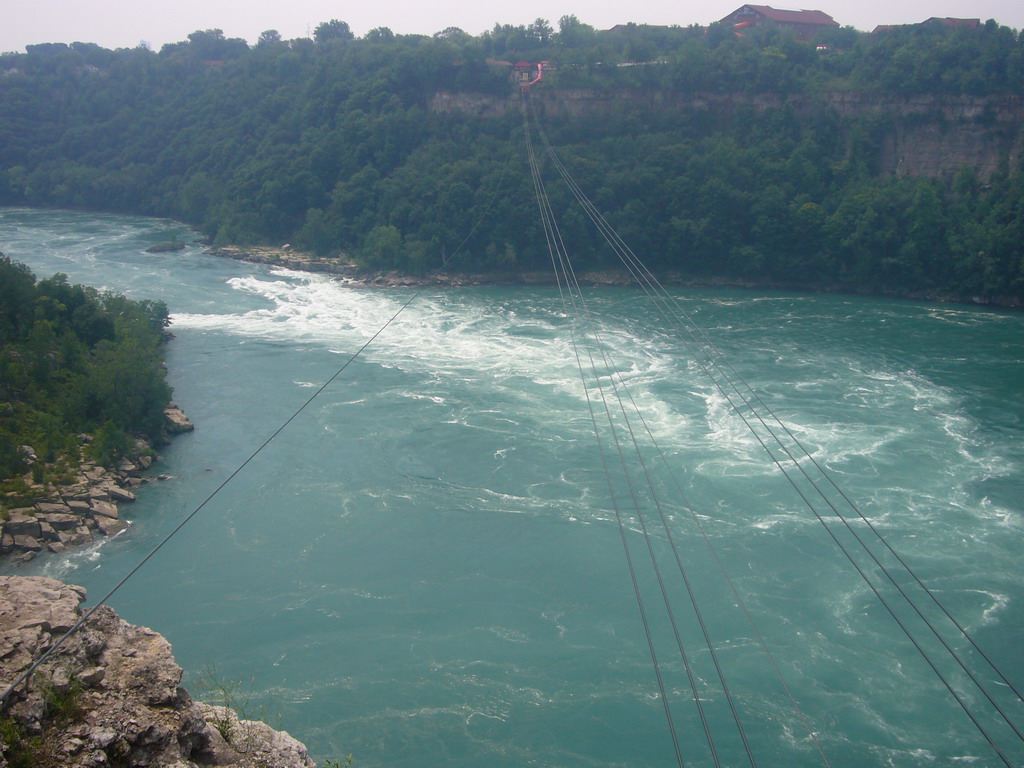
(62, 516)
(118, 693)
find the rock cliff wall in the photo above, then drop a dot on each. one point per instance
(930, 136)
(111, 695)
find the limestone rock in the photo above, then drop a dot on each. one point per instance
(85, 505)
(104, 509)
(131, 709)
(119, 494)
(176, 421)
(98, 494)
(52, 507)
(82, 535)
(258, 740)
(95, 473)
(60, 521)
(27, 543)
(110, 526)
(22, 525)
(79, 506)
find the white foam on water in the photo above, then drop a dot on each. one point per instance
(446, 336)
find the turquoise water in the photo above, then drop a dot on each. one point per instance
(425, 568)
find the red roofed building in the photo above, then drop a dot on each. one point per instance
(806, 24)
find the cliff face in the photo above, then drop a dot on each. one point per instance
(924, 136)
(111, 695)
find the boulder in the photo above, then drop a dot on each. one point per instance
(27, 543)
(110, 526)
(176, 421)
(79, 506)
(104, 509)
(61, 522)
(95, 473)
(22, 525)
(51, 507)
(166, 247)
(119, 494)
(82, 535)
(77, 492)
(93, 676)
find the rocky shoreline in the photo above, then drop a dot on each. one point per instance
(111, 695)
(71, 514)
(353, 273)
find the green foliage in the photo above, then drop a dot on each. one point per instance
(337, 144)
(332, 30)
(18, 748)
(63, 703)
(236, 697)
(74, 360)
(109, 444)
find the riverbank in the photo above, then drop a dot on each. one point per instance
(52, 516)
(353, 273)
(111, 695)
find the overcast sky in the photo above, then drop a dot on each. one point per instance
(125, 23)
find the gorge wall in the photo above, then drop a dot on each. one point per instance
(921, 136)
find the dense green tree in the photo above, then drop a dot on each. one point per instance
(269, 37)
(74, 360)
(344, 146)
(573, 33)
(332, 30)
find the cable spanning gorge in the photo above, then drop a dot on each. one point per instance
(571, 525)
(622, 433)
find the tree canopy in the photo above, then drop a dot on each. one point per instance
(73, 360)
(337, 144)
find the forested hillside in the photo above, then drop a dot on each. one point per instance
(335, 144)
(73, 360)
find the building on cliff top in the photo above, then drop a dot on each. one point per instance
(806, 24)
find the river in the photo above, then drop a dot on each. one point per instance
(425, 567)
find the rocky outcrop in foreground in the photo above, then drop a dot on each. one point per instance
(111, 695)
